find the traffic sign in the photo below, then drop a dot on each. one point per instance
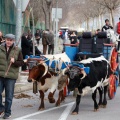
(58, 12)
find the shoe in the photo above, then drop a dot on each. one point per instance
(6, 116)
(1, 114)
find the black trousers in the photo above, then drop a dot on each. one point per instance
(51, 49)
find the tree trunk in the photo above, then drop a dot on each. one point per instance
(97, 23)
(112, 18)
(47, 6)
(102, 21)
(87, 24)
(93, 24)
(47, 20)
(80, 25)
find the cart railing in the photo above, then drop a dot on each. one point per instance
(75, 45)
(107, 49)
(69, 48)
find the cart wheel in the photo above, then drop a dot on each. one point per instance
(113, 59)
(112, 86)
(116, 73)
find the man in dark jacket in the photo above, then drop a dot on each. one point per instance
(9, 54)
(44, 41)
(50, 43)
(37, 36)
(107, 25)
(25, 45)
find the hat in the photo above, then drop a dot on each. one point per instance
(10, 36)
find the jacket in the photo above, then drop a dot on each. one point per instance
(5, 61)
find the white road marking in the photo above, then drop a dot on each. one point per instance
(36, 113)
(66, 112)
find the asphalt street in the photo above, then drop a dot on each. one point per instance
(27, 108)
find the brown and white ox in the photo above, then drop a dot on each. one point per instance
(49, 79)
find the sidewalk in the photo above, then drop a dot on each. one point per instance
(22, 84)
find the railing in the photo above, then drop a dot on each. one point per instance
(75, 45)
(107, 49)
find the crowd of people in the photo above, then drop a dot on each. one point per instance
(27, 43)
(11, 55)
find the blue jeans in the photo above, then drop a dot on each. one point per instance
(8, 85)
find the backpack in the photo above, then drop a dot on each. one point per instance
(118, 28)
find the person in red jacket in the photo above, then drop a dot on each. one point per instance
(117, 30)
(118, 27)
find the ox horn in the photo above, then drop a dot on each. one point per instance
(46, 69)
(84, 74)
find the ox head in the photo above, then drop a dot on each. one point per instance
(36, 70)
(76, 73)
(62, 81)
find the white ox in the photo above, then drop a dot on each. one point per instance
(50, 79)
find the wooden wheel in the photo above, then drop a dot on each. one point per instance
(112, 86)
(113, 78)
(113, 59)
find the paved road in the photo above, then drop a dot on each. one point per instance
(27, 109)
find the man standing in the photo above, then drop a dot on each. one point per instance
(51, 43)
(37, 36)
(107, 25)
(9, 53)
(44, 41)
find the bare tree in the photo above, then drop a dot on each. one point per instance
(75, 12)
(42, 10)
(111, 5)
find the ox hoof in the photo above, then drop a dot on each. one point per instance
(103, 106)
(100, 106)
(63, 101)
(74, 113)
(41, 109)
(52, 101)
(57, 105)
(95, 110)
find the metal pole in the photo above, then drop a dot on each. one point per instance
(33, 33)
(56, 48)
(54, 25)
(18, 22)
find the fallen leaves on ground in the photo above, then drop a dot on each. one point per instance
(27, 106)
(22, 95)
